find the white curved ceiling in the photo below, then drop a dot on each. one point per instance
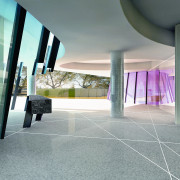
(91, 29)
(163, 13)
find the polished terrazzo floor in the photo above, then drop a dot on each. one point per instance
(80, 144)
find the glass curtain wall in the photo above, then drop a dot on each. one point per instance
(28, 49)
(30, 41)
(7, 15)
(131, 88)
(141, 88)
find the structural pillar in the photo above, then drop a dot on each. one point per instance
(177, 74)
(31, 82)
(117, 84)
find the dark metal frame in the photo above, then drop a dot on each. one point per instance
(41, 48)
(35, 68)
(46, 60)
(146, 87)
(127, 87)
(135, 88)
(53, 54)
(159, 87)
(42, 45)
(12, 63)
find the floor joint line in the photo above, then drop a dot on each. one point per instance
(155, 137)
(160, 145)
(131, 147)
(16, 132)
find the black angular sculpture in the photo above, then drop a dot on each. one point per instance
(36, 104)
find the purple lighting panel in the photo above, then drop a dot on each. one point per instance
(153, 88)
(131, 88)
(160, 87)
(172, 86)
(141, 88)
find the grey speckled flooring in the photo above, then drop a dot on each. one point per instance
(80, 145)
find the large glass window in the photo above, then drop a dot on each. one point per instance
(30, 41)
(141, 88)
(166, 96)
(131, 88)
(28, 49)
(7, 14)
(153, 96)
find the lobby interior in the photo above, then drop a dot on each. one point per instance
(135, 132)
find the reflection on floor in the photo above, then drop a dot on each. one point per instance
(88, 144)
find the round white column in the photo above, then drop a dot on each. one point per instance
(31, 82)
(117, 84)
